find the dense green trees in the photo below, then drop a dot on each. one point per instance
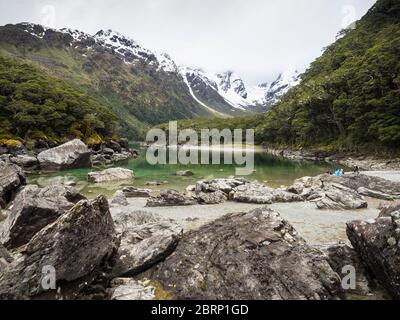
(35, 105)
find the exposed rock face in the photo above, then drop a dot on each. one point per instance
(77, 245)
(254, 255)
(377, 243)
(145, 240)
(374, 194)
(170, 198)
(71, 155)
(257, 193)
(216, 197)
(28, 163)
(113, 174)
(341, 255)
(129, 289)
(338, 197)
(119, 198)
(132, 192)
(11, 179)
(32, 210)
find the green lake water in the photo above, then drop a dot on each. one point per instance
(270, 170)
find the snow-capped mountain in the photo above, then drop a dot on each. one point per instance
(224, 93)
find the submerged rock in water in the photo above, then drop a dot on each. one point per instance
(132, 192)
(377, 244)
(11, 179)
(132, 290)
(185, 173)
(145, 240)
(71, 155)
(170, 198)
(113, 174)
(254, 255)
(32, 210)
(78, 246)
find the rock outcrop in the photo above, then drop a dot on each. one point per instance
(11, 179)
(71, 155)
(109, 175)
(146, 239)
(77, 246)
(170, 198)
(254, 255)
(131, 290)
(377, 243)
(32, 210)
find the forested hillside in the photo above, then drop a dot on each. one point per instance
(36, 106)
(349, 98)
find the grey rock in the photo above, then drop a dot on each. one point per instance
(71, 155)
(170, 198)
(338, 197)
(11, 179)
(32, 210)
(216, 197)
(131, 290)
(132, 192)
(28, 163)
(119, 198)
(78, 245)
(113, 174)
(108, 151)
(377, 244)
(145, 240)
(185, 173)
(341, 255)
(374, 194)
(255, 255)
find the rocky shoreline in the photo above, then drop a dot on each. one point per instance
(365, 163)
(98, 253)
(71, 155)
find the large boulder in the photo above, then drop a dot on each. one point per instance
(216, 197)
(71, 155)
(28, 163)
(258, 193)
(11, 179)
(340, 256)
(377, 242)
(32, 210)
(109, 175)
(338, 197)
(170, 198)
(145, 240)
(78, 246)
(255, 255)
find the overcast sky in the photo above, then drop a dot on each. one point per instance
(256, 38)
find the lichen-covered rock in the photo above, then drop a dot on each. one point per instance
(145, 240)
(71, 155)
(32, 210)
(170, 198)
(377, 242)
(253, 255)
(113, 174)
(77, 245)
(131, 290)
(11, 179)
(338, 197)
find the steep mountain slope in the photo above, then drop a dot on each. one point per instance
(228, 93)
(36, 106)
(350, 96)
(135, 83)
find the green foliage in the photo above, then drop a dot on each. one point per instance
(349, 96)
(35, 105)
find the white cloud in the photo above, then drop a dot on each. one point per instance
(256, 38)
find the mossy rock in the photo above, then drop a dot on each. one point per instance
(11, 143)
(94, 140)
